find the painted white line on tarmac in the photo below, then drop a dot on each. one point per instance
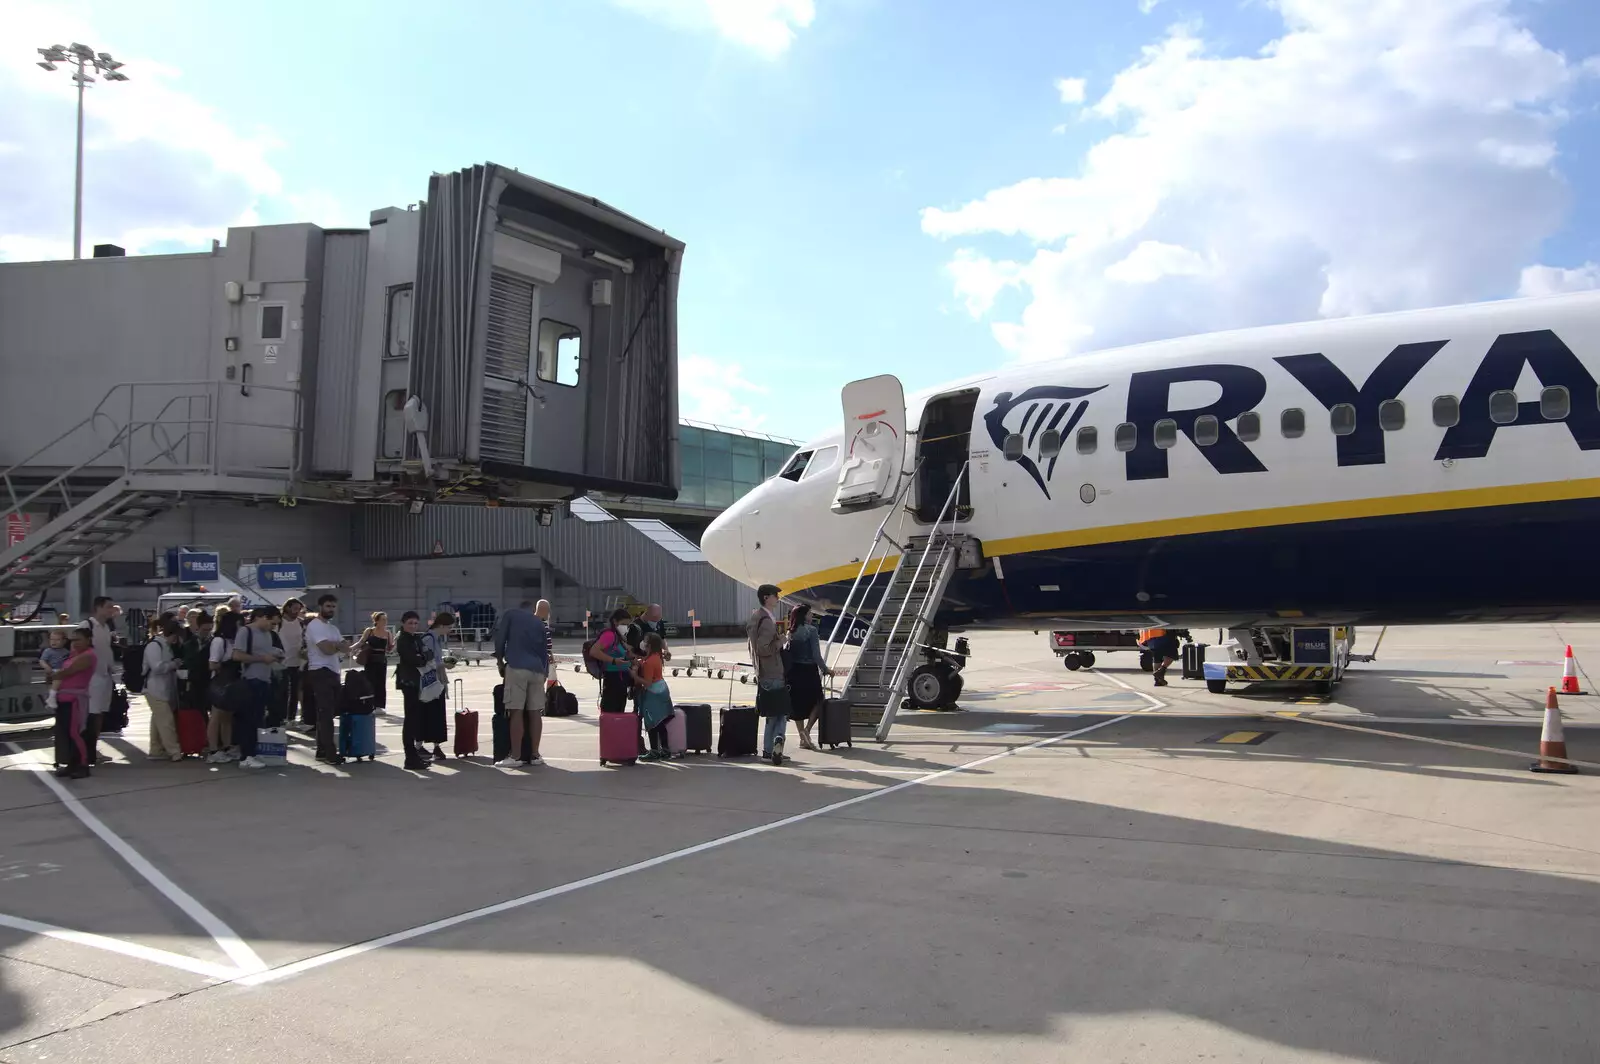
(1155, 703)
(219, 972)
(225, 937)
(397, 937)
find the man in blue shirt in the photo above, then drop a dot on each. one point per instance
(522, 650)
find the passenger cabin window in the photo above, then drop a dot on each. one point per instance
(1503, 407)
(1391, 415)
(1049, 443)
(1166, 433)
(1088, 439)
(1293, 423)
(1013, 447)
(1446, 411)
(1342, 419)
(823, 460)
(272, 321)
(559, 349)
(1207, 430)
(1555, 403)
(1248, 427)
(1125, 436)
(796, 467)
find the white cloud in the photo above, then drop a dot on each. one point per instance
(1147, 6)
(1553, 280)
(160, 168)
(719, 392)
(1379, 154)
(766, 27)
(1071, 89)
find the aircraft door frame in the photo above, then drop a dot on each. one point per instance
(874, 444)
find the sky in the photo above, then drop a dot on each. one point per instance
(930, 188)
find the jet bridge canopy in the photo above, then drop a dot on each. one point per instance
(544, 342)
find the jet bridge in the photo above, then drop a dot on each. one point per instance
(503, 341)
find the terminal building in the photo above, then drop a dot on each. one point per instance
(472, 400)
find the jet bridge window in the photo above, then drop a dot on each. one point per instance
(1088, 439)
(1207, 430)
(1555, 403)
(272, 321)
(1013, 447)
(1166, 433)
(1049, 443)
(560, 346)
(1342, 418)
(1125, 437)
(1503, 406)
(1248, 427)
(1293, 423)
(796, 467)
(1391, 415)
(1446, 411)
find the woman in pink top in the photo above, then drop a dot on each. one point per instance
(71, 684)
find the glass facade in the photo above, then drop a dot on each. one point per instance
(720, 466)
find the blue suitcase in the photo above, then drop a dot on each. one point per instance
(358, 736)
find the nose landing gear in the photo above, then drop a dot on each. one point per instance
(937, 683)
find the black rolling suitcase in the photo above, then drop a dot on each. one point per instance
(834, 726)
(500, 726)
(738, 734)
(696, 727)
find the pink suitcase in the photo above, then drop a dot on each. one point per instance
(619, 738)
(677, 733)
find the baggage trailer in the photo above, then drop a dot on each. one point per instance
(1077, 648)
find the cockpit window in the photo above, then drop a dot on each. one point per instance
(796, 467)
(822, 460)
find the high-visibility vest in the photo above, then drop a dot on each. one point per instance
(1151, 633)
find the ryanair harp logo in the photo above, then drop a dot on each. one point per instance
(1038, 410)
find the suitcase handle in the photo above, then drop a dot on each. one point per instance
(458, 693)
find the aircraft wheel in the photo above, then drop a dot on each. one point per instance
(1088, 659)
(1074, 663)
(1145, 663)
(1323, 687)
(1216, 687)
(928, 686)
(957, 684)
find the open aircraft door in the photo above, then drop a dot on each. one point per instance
(875, 443)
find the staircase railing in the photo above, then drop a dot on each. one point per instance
(937, 543)
(845, 620)
(149, 444)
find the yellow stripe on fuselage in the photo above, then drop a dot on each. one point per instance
(1309, 513)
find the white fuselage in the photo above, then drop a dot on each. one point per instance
(1418, 489)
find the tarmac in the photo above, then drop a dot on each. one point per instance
(1075, 866)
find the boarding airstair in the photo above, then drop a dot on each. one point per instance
(897, 638)
(141, 451)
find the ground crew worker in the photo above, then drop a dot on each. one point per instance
(1163, 649)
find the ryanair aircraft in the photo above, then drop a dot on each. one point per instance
(1420, 467)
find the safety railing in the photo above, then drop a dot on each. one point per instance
(879, 540)
(941, 544)
(183, 435)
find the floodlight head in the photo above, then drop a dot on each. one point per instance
(109, 63)
(82, 50)
(48, 65)
(105, 57)
(114, 76)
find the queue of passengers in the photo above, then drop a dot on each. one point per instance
(212, 680)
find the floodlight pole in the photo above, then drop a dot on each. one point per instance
(77, 180)
(102, 63)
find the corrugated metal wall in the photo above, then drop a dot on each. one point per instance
(344, 285)
(604, 554)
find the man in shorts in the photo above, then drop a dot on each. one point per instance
(522, 651)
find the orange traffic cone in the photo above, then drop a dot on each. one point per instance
(1569, 675)
(1552, 742)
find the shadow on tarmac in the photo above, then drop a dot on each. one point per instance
(956, 910)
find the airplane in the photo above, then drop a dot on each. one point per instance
(1377, 470)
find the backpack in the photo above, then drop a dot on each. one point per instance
(594, 668)
(558, 702)
(133, 674)
(356, 698)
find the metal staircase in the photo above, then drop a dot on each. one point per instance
(903, 616)
(137, 455)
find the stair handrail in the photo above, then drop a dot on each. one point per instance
(944, 545)
(878, 539)
(97, 412)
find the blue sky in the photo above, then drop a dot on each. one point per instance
(919, 186)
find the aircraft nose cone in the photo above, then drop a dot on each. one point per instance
(723, 546)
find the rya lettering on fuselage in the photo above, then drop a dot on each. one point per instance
(1043, 417)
